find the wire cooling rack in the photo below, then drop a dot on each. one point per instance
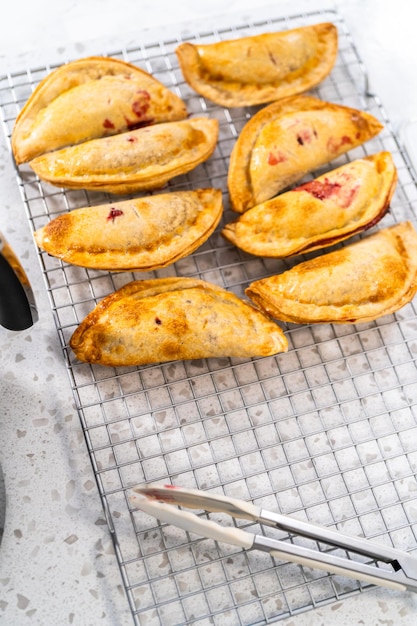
(326, 432)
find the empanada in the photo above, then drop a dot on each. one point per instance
(170, 319)
(318, 213)
(139, 234)
(287, 139)
(260, 68)
(141, 159)
(358, 283)
(90, 98)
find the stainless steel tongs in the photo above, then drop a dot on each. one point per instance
(158, 500)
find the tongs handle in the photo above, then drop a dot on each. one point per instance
(333, 564)
(332, 537)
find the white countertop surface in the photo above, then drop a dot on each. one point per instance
(56, 558)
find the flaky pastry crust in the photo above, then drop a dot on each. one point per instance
(142, 159)
(173, 318)
(141, 234)
(361, 282)
(261, 68)
(288, 139)
(87, 99)
(320, 212)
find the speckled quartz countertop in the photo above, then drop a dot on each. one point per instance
(56, 557)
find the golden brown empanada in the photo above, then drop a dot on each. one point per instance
(318, 213)
(140, 234)
(90, 98)
(141, 159)
(170, 319)
(287, 139)
(260, 68)
(359, 283)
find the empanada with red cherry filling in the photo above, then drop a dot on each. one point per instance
(320, 212)
(138, 160)
(90, 98)
(140, 234)
(260, 68)
(288, 139)
(361, 282)
(167, 319)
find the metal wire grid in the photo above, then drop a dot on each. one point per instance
(326, 432)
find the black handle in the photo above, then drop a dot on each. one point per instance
(15, 309)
